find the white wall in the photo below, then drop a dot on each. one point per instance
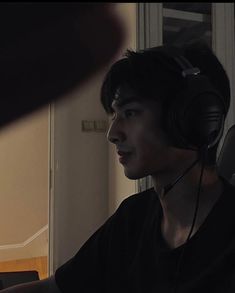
(24, 187)
(81, 170)
(81, 173)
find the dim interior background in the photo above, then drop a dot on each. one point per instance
(59, 177)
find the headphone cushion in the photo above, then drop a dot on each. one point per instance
(196, 116)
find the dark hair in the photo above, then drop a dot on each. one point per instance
(153, 74)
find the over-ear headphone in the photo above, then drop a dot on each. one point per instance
(195, 118)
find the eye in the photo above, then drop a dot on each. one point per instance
(130, 113)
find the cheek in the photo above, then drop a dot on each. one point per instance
(152, 147)
(154, 140)
(155, 151)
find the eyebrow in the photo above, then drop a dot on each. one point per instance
(122, 103)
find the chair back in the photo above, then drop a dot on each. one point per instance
(226, 158)
(8, 279)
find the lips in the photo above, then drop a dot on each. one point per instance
(123, 156)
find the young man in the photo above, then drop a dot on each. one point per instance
(168, 107)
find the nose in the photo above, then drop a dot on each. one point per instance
(115, 133)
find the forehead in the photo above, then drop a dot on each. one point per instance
(125, 95)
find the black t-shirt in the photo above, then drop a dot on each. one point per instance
(128, 253)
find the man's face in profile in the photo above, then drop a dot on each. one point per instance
(140, 142)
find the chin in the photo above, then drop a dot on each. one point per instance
(134, 175)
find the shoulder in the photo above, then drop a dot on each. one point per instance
(137, 205)
(142, 199)
(108, 245)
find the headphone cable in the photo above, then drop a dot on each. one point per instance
(204, 153)
(168, 187)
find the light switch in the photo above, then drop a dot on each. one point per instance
(94, 125)
(100, 125)
(88, 125)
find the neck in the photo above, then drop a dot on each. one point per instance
(179, 203)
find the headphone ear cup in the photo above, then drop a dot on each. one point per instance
(196, 117)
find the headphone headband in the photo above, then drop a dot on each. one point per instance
(186, 66)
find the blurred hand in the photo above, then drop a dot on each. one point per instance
(47, 49)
